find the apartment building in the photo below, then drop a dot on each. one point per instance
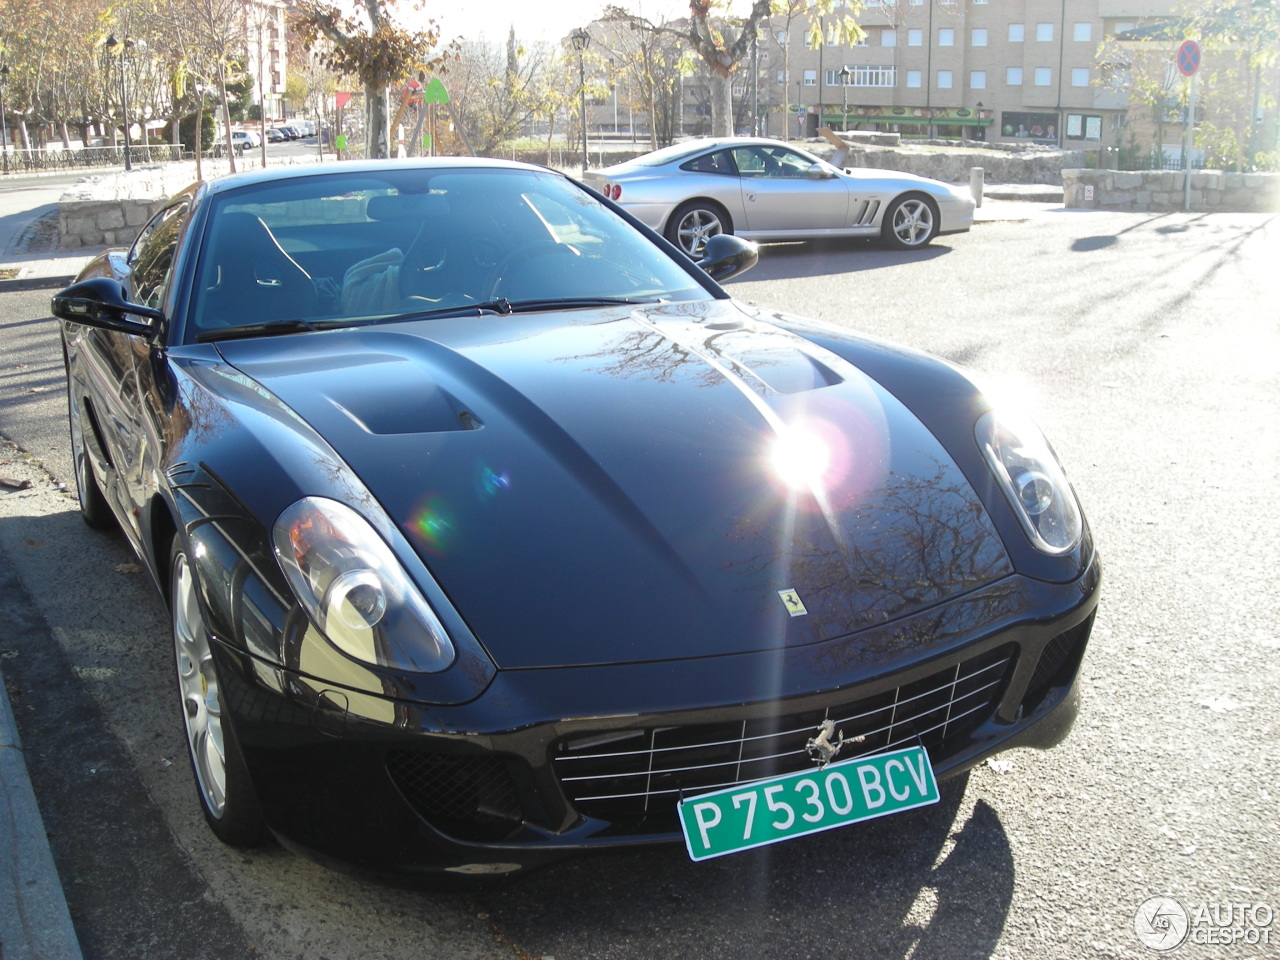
(266, 43)
(1021, 71)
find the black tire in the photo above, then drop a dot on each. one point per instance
(94, 509)
(693, 222)
(222, 780)
(910, 222)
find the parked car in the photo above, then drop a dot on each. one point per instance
(276, 135)
(494, 531)
(769, 190)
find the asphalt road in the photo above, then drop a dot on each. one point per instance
(1146, 345)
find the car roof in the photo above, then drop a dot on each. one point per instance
(357, 167)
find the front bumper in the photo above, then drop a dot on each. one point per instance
(550, 763)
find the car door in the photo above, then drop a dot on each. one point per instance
(121, 370)
(782, 196)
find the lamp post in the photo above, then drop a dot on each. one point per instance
(799, 110)
(119, 48)
(4, 123)
(845, 74)
(580, 40)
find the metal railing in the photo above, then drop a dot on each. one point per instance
(58, 158)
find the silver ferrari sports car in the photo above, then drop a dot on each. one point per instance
(769, 190)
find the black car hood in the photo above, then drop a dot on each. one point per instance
(600, 486)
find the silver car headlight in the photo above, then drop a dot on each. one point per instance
(354, 589)
(1032, 480)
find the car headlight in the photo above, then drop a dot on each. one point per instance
(1033, 481)
(354, 589)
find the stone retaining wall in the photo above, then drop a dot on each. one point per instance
(108, 210)
(1212, 191)
(953, 166)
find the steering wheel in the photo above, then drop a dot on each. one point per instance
(519, 258)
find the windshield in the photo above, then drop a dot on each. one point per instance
(344, 249)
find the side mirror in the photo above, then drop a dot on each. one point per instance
(819, 171)
(100, 302)
(725, 256)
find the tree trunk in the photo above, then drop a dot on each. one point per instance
(226, 117)
(375, 123)
(196, 138)
(721, 105)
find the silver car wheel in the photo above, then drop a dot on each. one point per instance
(694, 227)
(198, 685)
(913, 222)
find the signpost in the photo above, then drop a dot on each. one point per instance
(1188, 66)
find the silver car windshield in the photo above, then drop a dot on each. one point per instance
(339, 250)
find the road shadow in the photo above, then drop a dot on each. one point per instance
(928, 883)
(826, 258)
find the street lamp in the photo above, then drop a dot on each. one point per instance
(845, 74)
(4, 123)
(580, 40)
(799, 109)
(120, 48)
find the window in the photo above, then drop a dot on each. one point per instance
(978, 80)
(1044, 32)
(811, 78)
(1084, 127)
(773, 162)
(869, 76)
(1080, 76)
(979, 37)
(944, 79)
(917, 3)
(1013, 76)
(152, 254)
(946, 37)
(1016, 33)
(1029, 126)
(915, 38)
(1044, 76)
(781, 37)
(913, 79)
(976, 2)
(782, 78)
(1082, 32)
(888, 38)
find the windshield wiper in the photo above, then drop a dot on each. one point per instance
(258, 330)
(568, 303)
(503, 307)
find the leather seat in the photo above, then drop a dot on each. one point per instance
(248, 278)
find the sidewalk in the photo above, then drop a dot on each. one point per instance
(29, 254)
(35, 923)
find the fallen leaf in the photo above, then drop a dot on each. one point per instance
(128, 568)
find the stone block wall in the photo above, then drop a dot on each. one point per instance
(952, 166)
(108, 210)
(1212, 191)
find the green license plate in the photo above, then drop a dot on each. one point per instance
(756, 814)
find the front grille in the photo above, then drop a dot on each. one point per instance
(634, 777)
(471, 798)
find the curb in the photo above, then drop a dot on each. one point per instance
(39, 927)
(37, 283)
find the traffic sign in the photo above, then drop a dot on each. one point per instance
(1188, 58)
